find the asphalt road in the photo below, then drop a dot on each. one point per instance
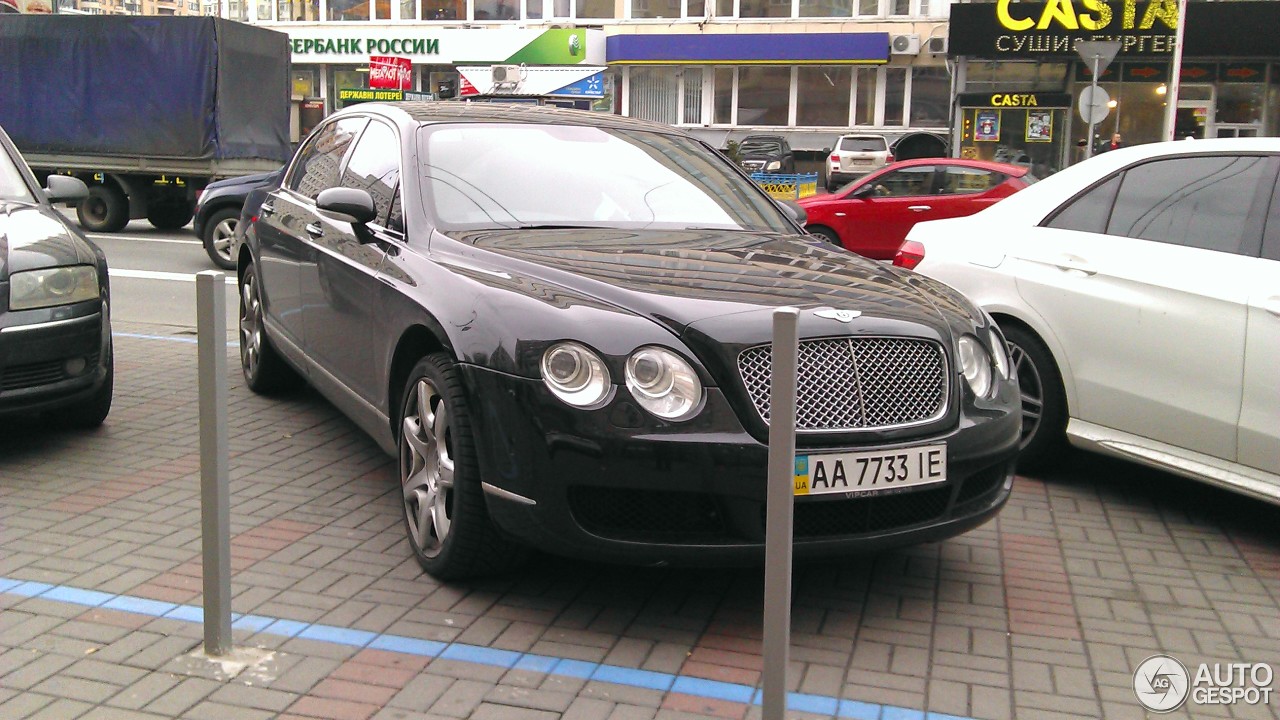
(153, 275)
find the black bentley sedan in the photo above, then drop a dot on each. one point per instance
(55, 328)
(560, 322)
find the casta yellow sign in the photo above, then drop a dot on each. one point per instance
(1014, 100)
(1092, 15)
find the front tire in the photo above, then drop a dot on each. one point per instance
(1044, 402)
(218, 231)
(265, 372)
(827, 234)
(444, 508)
(106, 209)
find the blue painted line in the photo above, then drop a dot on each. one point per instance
(168, 338)
(617, 675)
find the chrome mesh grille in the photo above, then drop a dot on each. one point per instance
(855, 383)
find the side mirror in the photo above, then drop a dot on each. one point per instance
(64, 188)
(797, 213)
(867, 190)
(826, 151)
(352, 205)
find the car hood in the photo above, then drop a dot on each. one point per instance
(678, 278)
(34, 237)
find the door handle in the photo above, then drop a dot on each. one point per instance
(919, 208)
(1071, 263)
(265, 210)
(314, 230)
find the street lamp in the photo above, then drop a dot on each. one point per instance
(1115, 105)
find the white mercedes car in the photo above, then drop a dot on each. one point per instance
(1140, 295)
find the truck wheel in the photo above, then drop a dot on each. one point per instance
(218, 230)
(105, 210)
(170, 215)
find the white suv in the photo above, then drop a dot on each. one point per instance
(855, 156)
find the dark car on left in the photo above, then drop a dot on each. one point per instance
(55, 327)
(218, 213)
(766, 154)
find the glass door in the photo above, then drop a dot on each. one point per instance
(1194, 117)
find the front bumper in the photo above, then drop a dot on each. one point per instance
(53, 358)
(614, 485)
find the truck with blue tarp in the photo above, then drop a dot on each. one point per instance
(145, 110)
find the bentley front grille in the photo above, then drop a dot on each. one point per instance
(858, 383)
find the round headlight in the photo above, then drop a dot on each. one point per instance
(975, 363)
(576, 375)
(1000, 352)
(663, 383)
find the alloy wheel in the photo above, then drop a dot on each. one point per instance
(222, 233)
(1032, 389)
(426, 468)
(250, 325)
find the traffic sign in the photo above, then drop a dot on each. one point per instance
(1093, 104)
(1097, 54)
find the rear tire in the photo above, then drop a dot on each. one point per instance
(265, 372)
(218, 231)
(105, 210)
(1044, 402)
(445, 515)
(170, 215)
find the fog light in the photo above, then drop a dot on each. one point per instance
(75, 366)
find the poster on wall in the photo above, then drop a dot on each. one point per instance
(987, 127)
(1039, 126)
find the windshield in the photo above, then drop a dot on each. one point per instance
(760, 147)
(12, 186)
(490, 175)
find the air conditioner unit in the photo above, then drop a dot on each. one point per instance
(506, 74)
(937, 46)
(904, 44)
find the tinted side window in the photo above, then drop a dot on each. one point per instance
(375, 166)
(1200, 202)
(1088, 212)
(964, 180)
(906, 182)
(317, 167)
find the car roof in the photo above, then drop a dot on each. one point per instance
(428, 112)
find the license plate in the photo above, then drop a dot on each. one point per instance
(875, 472)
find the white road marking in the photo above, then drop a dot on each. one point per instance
(156, 275)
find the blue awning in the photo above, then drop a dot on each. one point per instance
(749, 48)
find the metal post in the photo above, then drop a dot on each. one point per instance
(1088, 146)
(1174, 86)
(215, 494)
(779, 502)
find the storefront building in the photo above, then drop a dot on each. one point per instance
(808, 69)
(1019, 77)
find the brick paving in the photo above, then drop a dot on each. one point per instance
(1043, 613)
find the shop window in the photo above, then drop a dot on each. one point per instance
(443, 9)
(692, 79)
(652, 93)
(657, 9)
(349, 10)
(900, 7)
(724, 8)
(764, 95)
(597, 9)
(865, 111)
(930, 96)
(723, 96)
(297, 10)
(407, 8)
(869, 8)
(895, 94)
(764, 8)
(264, 10)
(533, 9)
(824, 100)
(496, 10)
(1240, 103)
(826, 8)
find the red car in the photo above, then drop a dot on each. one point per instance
(872, 215)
